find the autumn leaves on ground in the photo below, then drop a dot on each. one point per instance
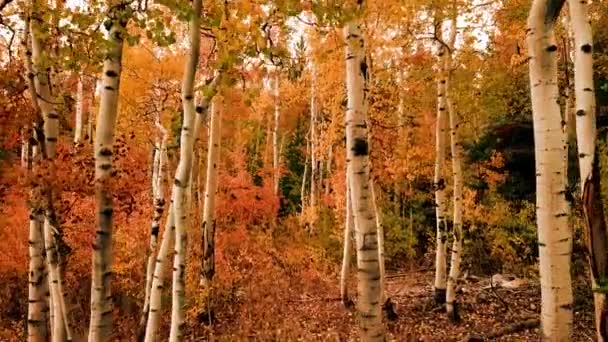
(297, 170)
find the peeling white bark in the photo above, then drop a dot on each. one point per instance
(554, 235)
(100, 327)
(368, 268)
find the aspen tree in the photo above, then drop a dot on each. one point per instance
(208, 224)
(440, 283)
(101, 306)
(346, 253)
(60, 329)
(79, 124)
(275, 133)
(595, 223)
(182, 175)
(456, 151)
(554, 235)
(37, 282)
(357, 145)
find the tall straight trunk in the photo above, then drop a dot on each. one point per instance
(368, 268)
(78, 126)
(208, 223)
(304, 178)
(158, 280)
(346, 254)
(554, 235)
(100, 327)
(182, 176)
(275, 134)
(313, 137)
(596, 235)
(440, 284)
(59, 326)
(456, 150)
(38, 293)
(90, 118)
(37, 304)
(380, 230)
(160, 153)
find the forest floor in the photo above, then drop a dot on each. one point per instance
(315, 313)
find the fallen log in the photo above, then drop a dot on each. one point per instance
(509, 329)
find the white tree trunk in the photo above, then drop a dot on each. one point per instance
(59, 327)
(158, 280)
(456, 150)
(554, 235)
(160, 153)
(182, 176)
(368, 268)
(313, 137)
(100, 327)
(380, 230)
(79, 113)
(37, 304)
(275, 134)
(346, 254)
(440, 284)
(304, 178)
(208, 224)
(586, 133)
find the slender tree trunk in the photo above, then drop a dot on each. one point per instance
(380, 230)
(37, 304)
(208, 224)
(313, 137)
(158, 280)
(554, 235)
(59, 327)
(182, 175)
(595, 222)
(440, 284)
(101, 305)
(78, 127)
(368, 268)
(275, 134)
(346, 254)
(456, 150)
(159, 208)
(38, 291)
(304, 178)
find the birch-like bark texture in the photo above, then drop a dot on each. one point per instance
(380, 230)
(357, 145)
(456, 150)
(59, 326)
(78, 125)
(37, 283)
(313, 135)
(208, 224)
(554, 235)
(346, 253)
(440, 284)
(586, 132)
(160, 153)
(37, 304)
(101, 305)
(304, 178)
(182, 176)
(275, 134)
(158, 280)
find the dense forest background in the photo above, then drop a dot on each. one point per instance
(278, 258)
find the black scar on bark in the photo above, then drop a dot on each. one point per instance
(360, 147)
(554, 7)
